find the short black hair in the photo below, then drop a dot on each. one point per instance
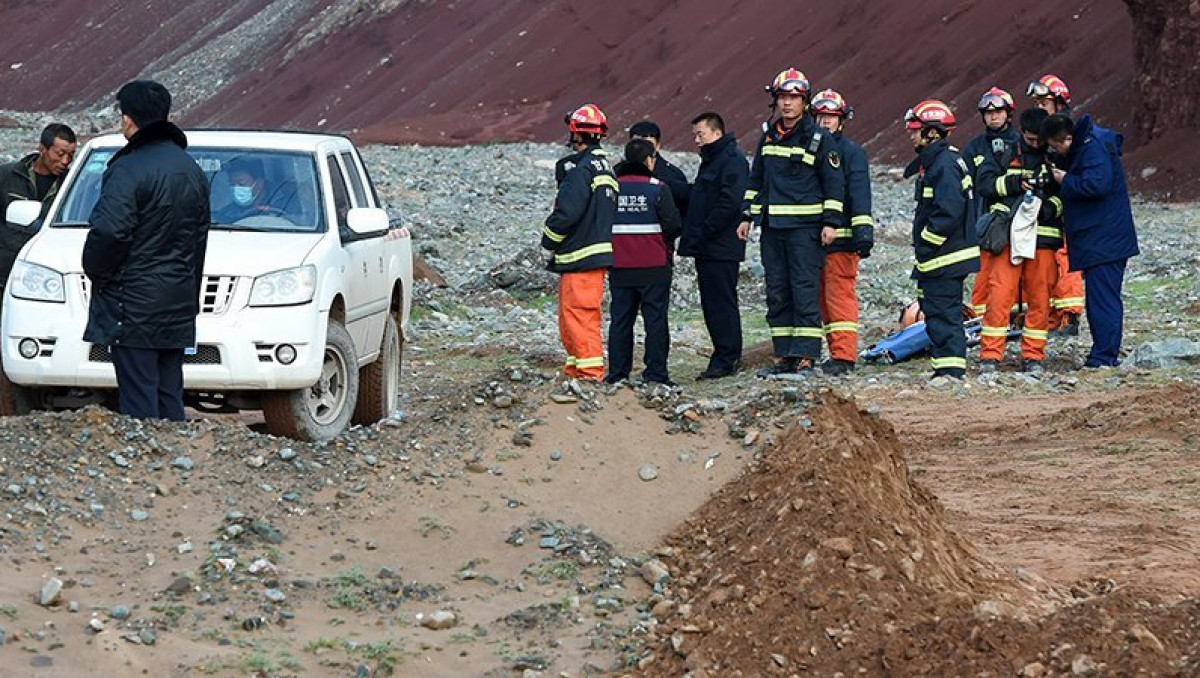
(57, 130)
(1032, 119)
(637, 151)
(712, 119)
(646, 128)
(1057, 127)
(144, 101)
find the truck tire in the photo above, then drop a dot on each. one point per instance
(322, 410)
(379, 382)
(14, 398)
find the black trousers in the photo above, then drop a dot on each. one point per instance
(722, 315)
(652, 301)
(941, 302)
(149, 382)
(792, 260)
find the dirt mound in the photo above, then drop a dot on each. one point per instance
(816, 554)
(1164, 414)
(825, 558)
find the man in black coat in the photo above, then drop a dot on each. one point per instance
(145, 255)
(710, 236)
(664, 171)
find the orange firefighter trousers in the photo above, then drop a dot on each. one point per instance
(839, 304)
(1035, 279)
(1067, 297)
(979, 292)
(580, 295)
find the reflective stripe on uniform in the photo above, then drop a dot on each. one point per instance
(1066, 302)
(948, 363)
(571, 360)
(584, 363)
(756, 209)
(1049, 231)
(929, 236)
(845, 326)
(999, 207)
(862, 220)
(551, 235)
(583, 253)
(1001, 186)
(966, 182)
(605, 180)
(787, 152)
(1058, 205)
(1035, 335)
(835, 205)
(927, 192)
(948, 259)
(993, 331)
(636, 229)
(844, 232)
(794, 210)
(750, 195)
(979, 309)
(978, 160)
(809, 332)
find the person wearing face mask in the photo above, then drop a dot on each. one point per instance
(247, 193)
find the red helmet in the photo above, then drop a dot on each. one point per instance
(829, 102)
(996, 99)
(930, 113)
(588, 119)
(791, 81)
(1050, 86)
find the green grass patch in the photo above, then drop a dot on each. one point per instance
(560, 569)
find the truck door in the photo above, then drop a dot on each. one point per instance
(357, 275)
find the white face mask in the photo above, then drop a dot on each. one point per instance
(243, 195)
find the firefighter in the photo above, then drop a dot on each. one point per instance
(1026, 173)
(795, 195)
(999, 137)
(578, 234)
(855, 237)
(643, 238)
(943, 233)
(1052, 95)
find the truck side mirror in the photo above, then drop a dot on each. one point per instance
(367, 221)
(23, 213)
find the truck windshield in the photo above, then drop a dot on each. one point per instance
(250, 190)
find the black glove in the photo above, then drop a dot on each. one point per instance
(864, 249)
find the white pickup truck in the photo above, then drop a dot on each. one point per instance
(305, 299)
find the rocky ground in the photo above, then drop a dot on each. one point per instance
(503, 524)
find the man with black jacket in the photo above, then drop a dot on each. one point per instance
(643, 237)
(710, 236)
(37, 176)
(578, 233)
(855, 238)
(664, 171)
(943, 233)
(145, 255)
(795, 194)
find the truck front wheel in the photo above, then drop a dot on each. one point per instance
(379, 382)
(322, 410)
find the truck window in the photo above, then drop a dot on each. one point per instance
(356, 183)
(341, 198)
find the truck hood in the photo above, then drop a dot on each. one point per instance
(237, 253)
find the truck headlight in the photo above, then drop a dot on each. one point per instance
(288, 287)
(36, 283)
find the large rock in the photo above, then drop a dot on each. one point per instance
(1174, 352)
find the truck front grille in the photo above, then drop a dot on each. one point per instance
(215, 294)
(206, 354)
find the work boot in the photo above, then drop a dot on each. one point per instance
(1069, 326)
(988, 366)
(1033, 368)
(782, 366)
(837, 368)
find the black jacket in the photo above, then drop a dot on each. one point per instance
(579, 231)
(715, 204)
(18, 183)
(796, 180)
(943, 229)
(145, 249)
(857, 230)
(644, 230)
(984, 146)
